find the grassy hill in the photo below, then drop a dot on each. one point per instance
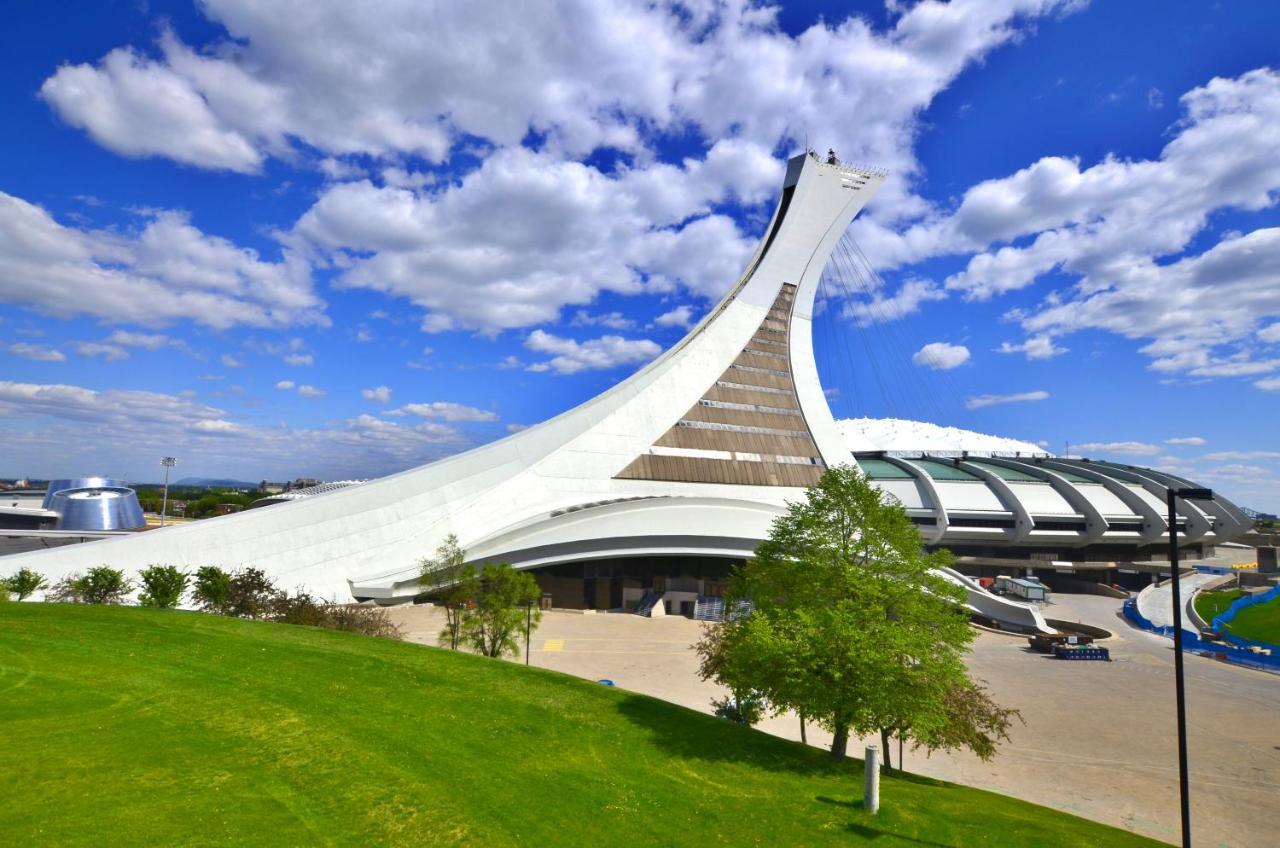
(135, 726)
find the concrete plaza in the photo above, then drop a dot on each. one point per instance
(1098, 739)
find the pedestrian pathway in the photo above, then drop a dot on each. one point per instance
(1156, 602)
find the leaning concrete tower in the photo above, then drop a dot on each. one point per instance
(688, 460)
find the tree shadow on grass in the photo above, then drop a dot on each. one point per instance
(869, 833)
(692, 735)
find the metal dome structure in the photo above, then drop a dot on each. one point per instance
(56, 486)
(97, 508)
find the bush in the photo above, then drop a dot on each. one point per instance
(102, 585)
(741, 708)
(251, 594)
(212, 589)
(24, 583)
(162, 586)
(305, 610)
(4, 594)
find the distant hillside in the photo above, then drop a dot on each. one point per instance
(209, 482)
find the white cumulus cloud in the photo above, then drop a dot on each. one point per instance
(40, 353)
(979, 401)
(603, 353)
(448, 411)
(941, 356)
(1126, 448)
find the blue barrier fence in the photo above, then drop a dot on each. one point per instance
(1222, 619)
(1192, 642)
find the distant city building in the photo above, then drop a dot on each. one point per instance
(646, 495)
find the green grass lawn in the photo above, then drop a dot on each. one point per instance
(129, 726)
(1210, 604)
(1260, 623)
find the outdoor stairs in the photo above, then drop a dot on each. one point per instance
(647, 603)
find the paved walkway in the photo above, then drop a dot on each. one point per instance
(1156, 602)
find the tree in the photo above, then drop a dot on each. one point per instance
(212, 589)
(851, 625)
(162, 586)
(24, 583)
(101, 585)
(503, 599)
(450, 579)
(972, 720)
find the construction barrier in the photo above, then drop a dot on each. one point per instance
(1193, 643)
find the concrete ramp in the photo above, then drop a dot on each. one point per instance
(1014, 614)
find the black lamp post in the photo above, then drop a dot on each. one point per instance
(528, 627)
(1171, 496)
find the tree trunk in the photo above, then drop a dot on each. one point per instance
(884, 746)
(803, 741)
(840, 742)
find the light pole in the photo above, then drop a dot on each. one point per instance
(528, 627)
(168, 462)
(1184, 801)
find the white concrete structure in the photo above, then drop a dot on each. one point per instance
(694, 455)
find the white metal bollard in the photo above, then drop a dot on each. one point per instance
(871, 784)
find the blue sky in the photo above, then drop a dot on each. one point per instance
(332, 242)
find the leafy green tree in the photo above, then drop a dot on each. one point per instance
(24, 583)
(162, 586)
(971, 720)
(449, 579)
(212, 589)
(504, 598)
(101, 585)
(852, 627)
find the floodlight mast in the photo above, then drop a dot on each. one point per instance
(168, 462)
(1172, 495)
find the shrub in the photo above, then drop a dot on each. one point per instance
(212, 589)
(370, 621)
(24, 583)
(742, 707)
(304, 609)
(102, 585)
(4, 594)
(162, 586)
(251, 594)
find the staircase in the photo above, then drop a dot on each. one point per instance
(647, 603)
